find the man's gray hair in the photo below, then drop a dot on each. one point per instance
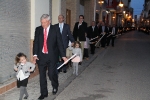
(45, 16)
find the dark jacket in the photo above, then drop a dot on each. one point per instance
(101, 30)
(54, 43)
(66, 35)
(80, 32)
(91, 33)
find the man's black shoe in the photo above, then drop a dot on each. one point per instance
(65, 71)
(80, 63)
(54, 91)
(42, 97)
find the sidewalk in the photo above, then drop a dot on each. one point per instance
(33, 87)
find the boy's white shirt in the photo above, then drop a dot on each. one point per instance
(70, 47)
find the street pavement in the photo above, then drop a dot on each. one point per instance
(117, 73)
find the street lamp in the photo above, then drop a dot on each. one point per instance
(100, 15)
(121, 3)
(101, 1)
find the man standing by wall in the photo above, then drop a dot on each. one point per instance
(47, 47)
(66, 35)
(79, 31)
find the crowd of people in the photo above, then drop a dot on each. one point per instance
(54, 44)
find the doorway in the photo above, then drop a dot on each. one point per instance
(68, 17)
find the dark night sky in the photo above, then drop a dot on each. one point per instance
(137, 5)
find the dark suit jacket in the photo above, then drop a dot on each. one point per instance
(105, 30)
(66, 35)
(54, 43)
(80, 32)
(116, 30)
(91, 33)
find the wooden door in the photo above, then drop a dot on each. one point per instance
(68, 16)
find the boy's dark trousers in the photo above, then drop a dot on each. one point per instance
(92, 48)
(86, 54)
(103, 41)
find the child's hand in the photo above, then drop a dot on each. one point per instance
(30, 70)
(16, 69)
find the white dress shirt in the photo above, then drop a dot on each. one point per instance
(61, 25)
(93, 27)
(113, 31)
(80, 24)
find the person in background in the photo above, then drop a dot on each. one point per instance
(69, 53)
(103, 31)
(99, 24)
(66, 36)
(23, 69)
(120, 29)
(93, 33)
(114, 31)
(80, 28)
(86, 48)
(108, 34)
(76, 50)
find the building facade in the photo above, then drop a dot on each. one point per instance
(145, 14)
(19, 18)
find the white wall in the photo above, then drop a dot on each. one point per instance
(38, 7)
(56, 10)
(41, 7)
(81, 10)
(14, 35)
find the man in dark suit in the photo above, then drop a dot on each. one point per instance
(79, 31)
(92, 33)
(47, 47)
(66, 35)
(103, 31)
(113, 34)
(109, 34)
(99, 24)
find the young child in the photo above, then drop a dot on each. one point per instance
(86, 48)
(76, 50)
(23, 69)
(69, 53)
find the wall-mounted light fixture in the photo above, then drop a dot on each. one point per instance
(101, 1)
(121, 3)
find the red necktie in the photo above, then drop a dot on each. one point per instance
(45, 42)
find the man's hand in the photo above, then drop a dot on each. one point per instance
(65, 59)
(72, 44)
(16, 69)
(34, 59)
